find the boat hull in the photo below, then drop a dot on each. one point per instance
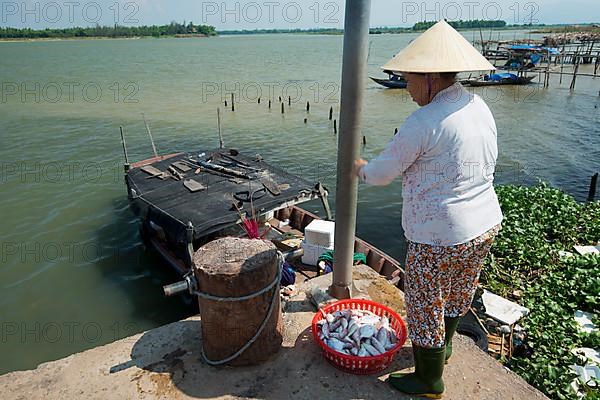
(391, 84)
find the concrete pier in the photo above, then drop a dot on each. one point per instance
(164, 363)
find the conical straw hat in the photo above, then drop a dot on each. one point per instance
(439, 49)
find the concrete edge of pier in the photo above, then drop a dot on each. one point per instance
(164, 363)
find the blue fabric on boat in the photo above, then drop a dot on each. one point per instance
(535, 58)
(531, 47)
(288, 274)
(499, 77)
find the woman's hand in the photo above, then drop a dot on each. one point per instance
(358, 164)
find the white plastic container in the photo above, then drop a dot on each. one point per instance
(320, 233)
(312, 252)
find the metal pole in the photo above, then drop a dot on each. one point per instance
(354, 70)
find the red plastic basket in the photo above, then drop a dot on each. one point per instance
(354, 364)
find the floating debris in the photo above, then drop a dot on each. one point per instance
(502, 309)
(585, 321)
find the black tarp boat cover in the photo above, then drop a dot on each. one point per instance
(169, 204)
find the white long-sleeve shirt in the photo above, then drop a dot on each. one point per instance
(446, 153)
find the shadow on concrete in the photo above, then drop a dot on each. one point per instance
(169, 362)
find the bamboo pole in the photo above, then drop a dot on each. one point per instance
(562, 65)
(126, 165)
(150, 134)
(221, 143)
(572, 87)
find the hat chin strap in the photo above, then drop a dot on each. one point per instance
(429, 87)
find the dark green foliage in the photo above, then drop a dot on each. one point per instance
(115, 31)
(460, 24)
(540, 221)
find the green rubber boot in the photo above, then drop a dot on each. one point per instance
(426, 381)
(451, 326)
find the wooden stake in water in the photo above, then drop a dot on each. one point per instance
(259, 100)
(331, 113)
(150, 134)
(221, 143)
(592, 192)
(232, 102)
(575, 71)
(308, 106)
(289, 100)
(282, 108)
(269, 104)
(335, 126)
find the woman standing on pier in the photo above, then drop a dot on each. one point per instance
(446, 152)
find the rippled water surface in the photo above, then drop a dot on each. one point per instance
(73, 272)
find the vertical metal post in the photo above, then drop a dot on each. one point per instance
(354, 70)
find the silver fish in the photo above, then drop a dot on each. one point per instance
(378, 345)
(344, 323)
(371, 350)
(335, 344)
(389, 346)
(369, 320)
(352, 327)
(362, 351)
(393, 337)
(334, 325)
(366, 331)
(325, 330)
(356, 336)
(383, 336)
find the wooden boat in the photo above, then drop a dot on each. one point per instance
(521, 80)
(391, 83)
(175, 221)
(162, 233)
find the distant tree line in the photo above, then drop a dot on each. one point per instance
(321, 31)
(116, 31)
(460, 24)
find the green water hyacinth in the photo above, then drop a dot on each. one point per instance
(539, 222)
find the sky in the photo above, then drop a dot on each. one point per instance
(283, 14)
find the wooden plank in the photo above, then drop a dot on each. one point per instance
(150, 170)
(373, 260)
(181, 166)
(389, 268)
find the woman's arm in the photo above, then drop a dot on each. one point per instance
(400, 153)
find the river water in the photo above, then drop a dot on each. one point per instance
(73, 272)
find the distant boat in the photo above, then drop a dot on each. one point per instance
(394, 81)
(501, 79)
(391, 83)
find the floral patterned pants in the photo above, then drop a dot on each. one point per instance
(439, 282)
